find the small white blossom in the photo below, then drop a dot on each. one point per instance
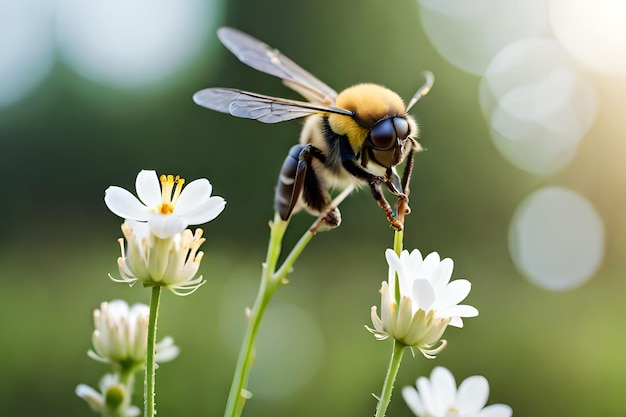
(164, 204)
(439, 397)
(172, 263)
(121, 337)
(425, 302)
(112, 400)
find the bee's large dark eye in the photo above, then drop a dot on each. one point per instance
(401, 126)
(384, 133)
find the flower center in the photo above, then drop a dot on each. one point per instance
(170, 191)
(452, 411)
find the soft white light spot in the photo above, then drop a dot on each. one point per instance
(594, 32)
(538, 105)
(469, 33)
(557, 239)
(132, 43)
(292, 347)
(26, 47)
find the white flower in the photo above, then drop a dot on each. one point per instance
(166, 206)
(121, 337)
(439, 397)
(112, 400)
(425, 302)
(171, 263)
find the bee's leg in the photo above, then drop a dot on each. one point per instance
(384, 204)
(402, 204)
(314, 190)
(374, 182)
(408, 170)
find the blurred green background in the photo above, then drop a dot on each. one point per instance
(544, 353)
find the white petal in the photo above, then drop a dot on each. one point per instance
(148, 188)
(132, 411)
(141, 230)
(206, 211)
(376, 321)
(393, 260)
(458, 311)
(192, 195)
(454, 293)
(412, 262)
(456, 322)
(472, 395)
(413, 401)
(387, 308)
(496, 410)
(166, 350)
(442, 274)
(444, 389)
(415, 257)
(138, 310)
(166, 226)
(89, 394)
(426, 393)
(422, 294)
(122, 203)
(429, 265)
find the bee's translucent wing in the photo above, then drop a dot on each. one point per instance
(259, 107)
(262, 57)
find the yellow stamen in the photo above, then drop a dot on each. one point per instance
(179, 187)
(168, 200)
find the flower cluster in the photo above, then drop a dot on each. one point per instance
(113, 399)
(171, 262)
(418, 301)
(121, 334)
(120, 339)
(159, 249)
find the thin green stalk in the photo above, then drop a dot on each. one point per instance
(150, 374)
(397, 241)
(397, 248)
(390, 379)
(285, 268)
(238, 393)
(270, 281)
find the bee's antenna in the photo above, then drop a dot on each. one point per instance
(423, 90)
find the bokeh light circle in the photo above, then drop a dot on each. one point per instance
(593, 32)
(292, 346)
(556, 239)
(469, 33)
(538, 105)
(290, 339)
(132, 43)
(26, 45)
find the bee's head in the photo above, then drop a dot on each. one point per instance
(379, 126)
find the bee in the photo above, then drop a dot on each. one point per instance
(356, 137)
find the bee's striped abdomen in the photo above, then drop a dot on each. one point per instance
(284, 198)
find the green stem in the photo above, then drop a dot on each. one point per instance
(397, 248)
(287, 265)
(270, 281)
(238, 393)
(392, 372)
(150, 375)
(397, 241)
